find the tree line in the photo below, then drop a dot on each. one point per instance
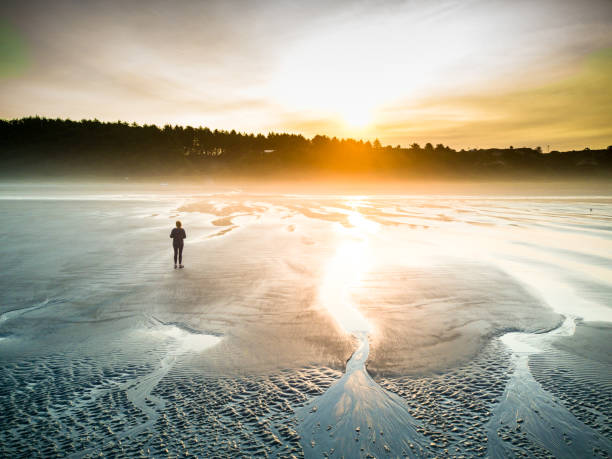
(37, 146)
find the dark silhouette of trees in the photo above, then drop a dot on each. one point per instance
(45, 147)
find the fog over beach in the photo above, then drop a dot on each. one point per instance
(382, 325)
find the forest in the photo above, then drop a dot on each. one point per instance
(43, 147)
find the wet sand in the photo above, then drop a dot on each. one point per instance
(578, 371)
(303, 326)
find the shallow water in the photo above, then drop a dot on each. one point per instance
(471, 325)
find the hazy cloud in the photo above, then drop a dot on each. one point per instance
(416, 68)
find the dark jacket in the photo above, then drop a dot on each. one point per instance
(178, 234)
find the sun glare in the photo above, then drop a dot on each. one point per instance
(344, 273)
(356, 117)
(353, 258)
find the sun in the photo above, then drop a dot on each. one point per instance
(356, 117)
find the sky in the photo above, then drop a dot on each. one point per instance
(469, 74)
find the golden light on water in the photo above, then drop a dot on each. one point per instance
(344, 272)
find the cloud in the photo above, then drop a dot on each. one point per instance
(420, 68)
(573, 112)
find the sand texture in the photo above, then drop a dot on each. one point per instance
(304, 325)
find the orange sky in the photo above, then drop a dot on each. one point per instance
(464, 73)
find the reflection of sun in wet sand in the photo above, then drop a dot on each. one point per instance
(359, 414)
(343, 272)
(352, 259)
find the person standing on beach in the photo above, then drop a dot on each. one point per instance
(178, 234)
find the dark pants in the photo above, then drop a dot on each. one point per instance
(178, 250)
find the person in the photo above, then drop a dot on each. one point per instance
(178, 234)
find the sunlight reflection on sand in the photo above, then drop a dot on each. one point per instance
(345, 270)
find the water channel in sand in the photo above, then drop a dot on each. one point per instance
(355, 416)
(530, 413)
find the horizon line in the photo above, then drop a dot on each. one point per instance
(248, 133)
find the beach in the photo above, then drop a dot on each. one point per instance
(304, 325)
